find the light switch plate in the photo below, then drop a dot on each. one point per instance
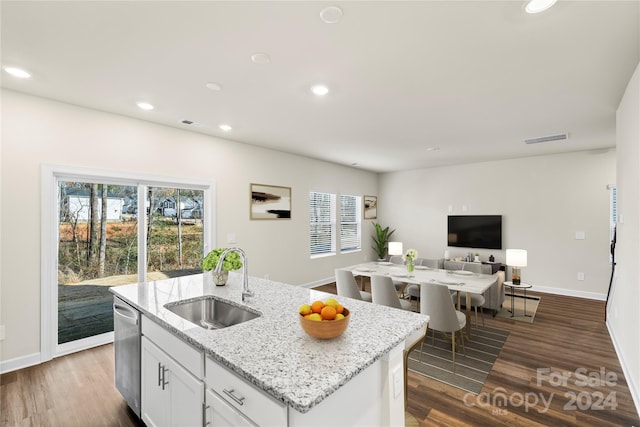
(580, 275)
(580, 235)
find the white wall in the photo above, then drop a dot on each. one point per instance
(543, 201)
(37, 131)
(623, 318)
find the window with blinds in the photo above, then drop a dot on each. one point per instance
(322, 224)
(350, 224)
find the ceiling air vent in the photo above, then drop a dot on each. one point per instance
(186, 122)
(548, 138)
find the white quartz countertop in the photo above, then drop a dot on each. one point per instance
(272, 351)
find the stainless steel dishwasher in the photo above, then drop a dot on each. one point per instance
(126, 344)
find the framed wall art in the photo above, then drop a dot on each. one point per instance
(370, 207)
(270, 202)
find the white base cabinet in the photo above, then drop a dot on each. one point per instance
(230, 397)
(171, 395)
(182, 387)
(222, 414)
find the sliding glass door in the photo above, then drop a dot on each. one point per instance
(111, 231)
(97, 237)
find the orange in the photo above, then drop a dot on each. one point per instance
(328, 313)
(339, 309)
(317, 306)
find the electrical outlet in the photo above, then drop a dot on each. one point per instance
(580, 275)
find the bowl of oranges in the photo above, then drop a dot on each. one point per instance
(324, 319)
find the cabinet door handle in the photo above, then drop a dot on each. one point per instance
(164, 371)
(159, 374)
(231, 393)
(205, 423)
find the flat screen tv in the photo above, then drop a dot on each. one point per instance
(475, 231)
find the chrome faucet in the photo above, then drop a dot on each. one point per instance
(245, 271)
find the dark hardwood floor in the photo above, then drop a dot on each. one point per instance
(568, 336)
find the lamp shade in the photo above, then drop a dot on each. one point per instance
(517, 257)
(395, 248)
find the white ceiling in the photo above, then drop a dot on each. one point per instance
(472, 78)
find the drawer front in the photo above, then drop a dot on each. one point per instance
(245, 397)
(220, 413)
(180, 351)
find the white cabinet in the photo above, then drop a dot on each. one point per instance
(172, 392)
(222, 414)
(232, 401)
(171, 396)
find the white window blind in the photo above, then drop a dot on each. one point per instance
(350, 225)
(322, 224)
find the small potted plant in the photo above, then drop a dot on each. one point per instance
(231, 262)
(381, 240)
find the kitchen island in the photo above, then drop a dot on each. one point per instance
(360, 374)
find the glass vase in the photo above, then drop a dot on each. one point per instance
(410, 267)
(220, 279)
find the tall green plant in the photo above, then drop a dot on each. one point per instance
(381, 240)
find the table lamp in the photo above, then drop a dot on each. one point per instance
(395, 248)
(516, 258)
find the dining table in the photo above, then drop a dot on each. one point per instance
(460, 281)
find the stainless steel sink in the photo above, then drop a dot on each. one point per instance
(211, 313)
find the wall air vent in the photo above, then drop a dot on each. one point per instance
(548, 138)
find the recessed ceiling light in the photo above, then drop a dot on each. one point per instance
(331, 15)
(145, 105)
(320, 90)
(214, 86)
(433, 149)
(537, 6)
(17, 72)
(260, 58)
(225, 127)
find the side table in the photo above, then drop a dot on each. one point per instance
(524, 287)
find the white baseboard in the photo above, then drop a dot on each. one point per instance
(19, 363)
(570, 293)
(62, 350)
(631, 381)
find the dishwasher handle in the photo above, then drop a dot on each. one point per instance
(126, 313)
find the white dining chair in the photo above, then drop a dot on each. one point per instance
(348, 287)
(384, 293)
(476, 301)
(400, 286)
(435, 301)
(413, 291)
